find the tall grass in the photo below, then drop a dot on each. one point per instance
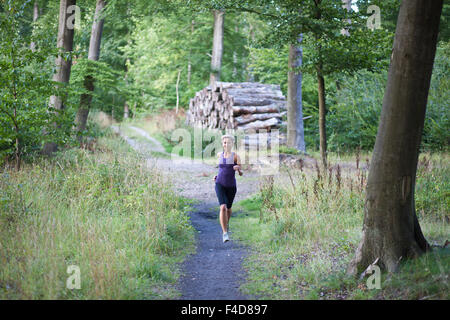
(305, 225)
(105, 212)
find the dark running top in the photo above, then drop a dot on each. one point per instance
(226, 176)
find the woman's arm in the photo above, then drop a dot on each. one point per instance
(218, 156)
(238, 166)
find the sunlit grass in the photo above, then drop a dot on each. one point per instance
(105, 212)
(304, 233)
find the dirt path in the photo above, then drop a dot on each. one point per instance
(215, 270)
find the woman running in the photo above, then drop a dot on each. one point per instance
(229, 163)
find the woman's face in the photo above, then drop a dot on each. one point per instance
(227, 144)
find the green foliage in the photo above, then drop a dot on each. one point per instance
(354, 114)
(356, 106)
(159, 49)
(269, 65)
(436, 134)
(109, 85)
(432, 196)
(24, 110)
(284, 149)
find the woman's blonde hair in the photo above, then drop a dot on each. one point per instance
(229, 136)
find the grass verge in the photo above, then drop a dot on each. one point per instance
(304, 233)
(103, 211)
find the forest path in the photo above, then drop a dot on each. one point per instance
(215, 270)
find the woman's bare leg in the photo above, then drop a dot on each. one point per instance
(223, 217)
(228, 216)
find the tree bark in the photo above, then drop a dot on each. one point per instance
(217, 51)
(295, 131)
(190, 53)
(63, 67)
(35, 17)
(347, 4)
(235, 60)
(321, 94)
(250, 77)
(126, 110)
(246, 118)
(322, 115)
(258, 124)
(65, 41)
(94, 54)
(240, 110)
(391, 230)
(177, 92)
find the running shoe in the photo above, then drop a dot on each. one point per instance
(226, 237)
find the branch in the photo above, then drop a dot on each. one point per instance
(8, 114)
(251, 11)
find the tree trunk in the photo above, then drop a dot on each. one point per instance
(216, 59)
(94, 54)
(322, 115)
(177, 91)
(347, 4)
(391, 230)
(35, 17)
(65, 41)
(126, 110)
(295, 131)
(63, 67)
(235, 60)
(190, 53)
(250, 77)
(321, 93)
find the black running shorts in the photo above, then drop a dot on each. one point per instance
(225, 195)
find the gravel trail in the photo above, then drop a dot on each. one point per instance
(215, 270)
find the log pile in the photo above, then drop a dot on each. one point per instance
(243, 106)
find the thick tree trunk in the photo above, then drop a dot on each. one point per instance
(65, 41)
(217, 51)
(94, 54)
(322, 115)
(63, 67)
(391, 230)
(97, 31)
(295, 131)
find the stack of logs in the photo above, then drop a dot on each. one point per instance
(237, 105)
